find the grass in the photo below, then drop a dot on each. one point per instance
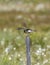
(13, 48)
(12, 42)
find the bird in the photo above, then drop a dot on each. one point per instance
(26, 30)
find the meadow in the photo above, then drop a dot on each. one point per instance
(12, 42)
(13, 47)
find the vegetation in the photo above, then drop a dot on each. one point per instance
(12, 42)
(13, 48)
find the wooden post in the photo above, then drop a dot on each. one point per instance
(28, 60)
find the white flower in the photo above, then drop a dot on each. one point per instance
(45, 38)
(43, 54)
(5, 29)
(10, 58)
(38, 52)
(3, 41)
(14, 48)
(21, 59)
(40, 49)
(7, 50)
(19, 55)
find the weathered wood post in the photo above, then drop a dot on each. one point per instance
(28, 60)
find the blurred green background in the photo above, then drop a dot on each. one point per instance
(33, 14)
